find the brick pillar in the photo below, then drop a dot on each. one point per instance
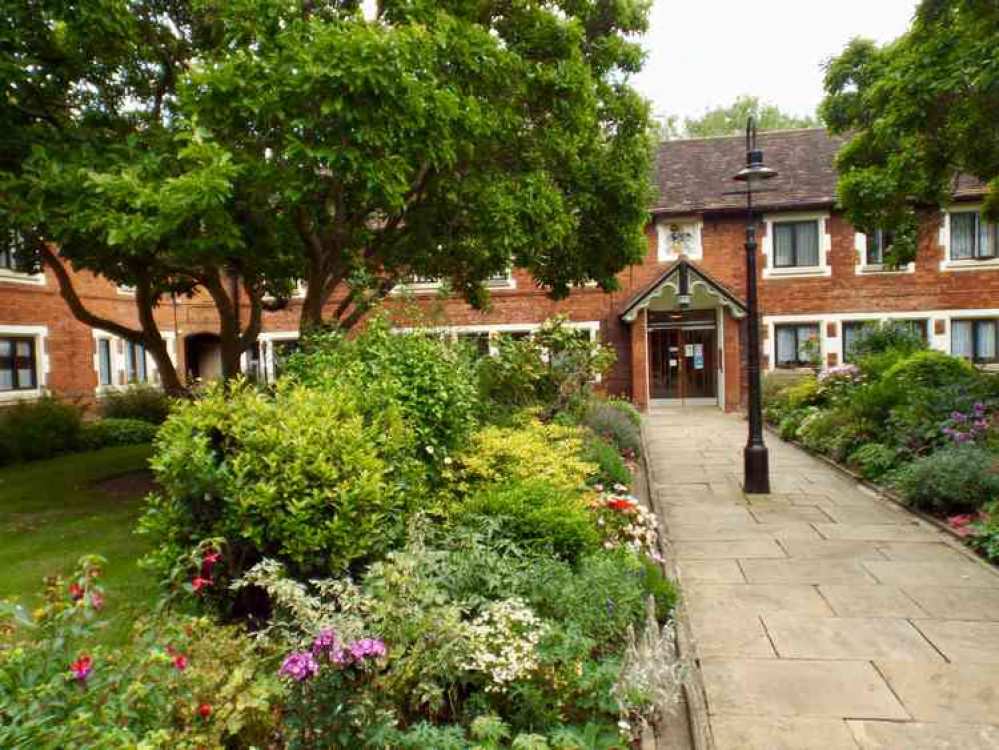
(735, 369)
(640, 362)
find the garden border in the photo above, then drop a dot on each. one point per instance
(884, 493)
(694, 695)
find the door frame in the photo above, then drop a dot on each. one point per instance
(718, 325)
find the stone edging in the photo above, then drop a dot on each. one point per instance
(695, 699)
(884, 493)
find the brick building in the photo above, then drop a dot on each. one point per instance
(676, 321)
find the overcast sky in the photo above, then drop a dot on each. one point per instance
(705, 53)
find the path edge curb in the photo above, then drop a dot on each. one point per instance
(695, 697)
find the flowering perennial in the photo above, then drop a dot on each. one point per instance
(628, 524)
(299, 666)
(502, 641)
(969, 427)
(81, 668)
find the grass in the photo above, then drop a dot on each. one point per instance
(51, 514)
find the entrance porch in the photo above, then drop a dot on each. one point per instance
(686, 341)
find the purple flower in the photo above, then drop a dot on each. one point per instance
(326, 641)
(366, 648)
(300, 666)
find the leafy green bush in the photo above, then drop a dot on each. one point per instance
(143, 402)
(956, 479)
(889, 336)
(307, 476)
(429, 381)
(834, 433)
(536, 516)
(873, 460)
(611, 467)
(180, 681)
(33, 430)
(929, 370)
(525, 451)
(109, 432)
(615, 421)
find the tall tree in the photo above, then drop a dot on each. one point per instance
(921, 110)
(731, 120)
(446, 139)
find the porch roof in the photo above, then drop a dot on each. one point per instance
(683, 275)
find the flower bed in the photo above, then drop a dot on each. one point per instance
(919, 422)
(499, 590)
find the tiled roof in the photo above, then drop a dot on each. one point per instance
(676, 267)
(694, 175)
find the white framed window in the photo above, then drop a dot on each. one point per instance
(415, 284)
(796, 245)
(273, 348)
(797, 344)
(977, 340)
(871, 250)
(105, 368)
(24, 363)
(679, 238)
(136, 365)
(967, 240)
(11, 251)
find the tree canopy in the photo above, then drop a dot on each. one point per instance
(731, 120)
(920, 111)
(164, 143)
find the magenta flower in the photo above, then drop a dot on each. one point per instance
(299, 666)
(326, 642)
(81, 668)
(366, 648)
(96, 600)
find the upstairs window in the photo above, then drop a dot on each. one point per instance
(971, 238)
(797, 345)
(975, 340)
(104, 361)
(135, 362)
(796, 244)
(878, 243)
(18, 364)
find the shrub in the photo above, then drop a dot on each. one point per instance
(110, 432)
(929, 369)
(888, 336)
(611, 467)
(981, 533)
(523, 452)
(833, 433)
(536, 516)
(143, 402)
(34, 430)
(957, 479)
(429, 381)
(304, 475)
(615, 421)
(180, 681)
(873, 460)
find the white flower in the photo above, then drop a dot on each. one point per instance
(430, 449)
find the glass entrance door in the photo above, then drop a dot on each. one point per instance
(683, 358)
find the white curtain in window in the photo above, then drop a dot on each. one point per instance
(806, 336)
(25, 364)
(807, 240)
(986, 239)
(786, 353)
(783, 245)
(961, 339)
(962, 235)
(986, 344)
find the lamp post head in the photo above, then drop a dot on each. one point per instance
(755, 173)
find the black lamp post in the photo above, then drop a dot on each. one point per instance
(756, 458)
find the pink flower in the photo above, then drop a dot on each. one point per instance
(598, 488)
(300, 666)
(367, 648)
(326, 642)
(199, 583)
(81, 668)
(180, 662)
(96, 600)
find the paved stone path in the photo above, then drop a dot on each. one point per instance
(823, 617)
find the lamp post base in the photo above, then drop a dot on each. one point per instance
(757, 469)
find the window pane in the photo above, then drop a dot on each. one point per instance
(963, 227)
(24, 364)
(140, 357)
(6, 365)
(961, 338)
(786, 347)
(875, 249)
(808, 337)
(783, 245)
(986, 241)
(807, 241)
(104, 360)
(985, 343)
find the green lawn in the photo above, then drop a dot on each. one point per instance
(51, 514)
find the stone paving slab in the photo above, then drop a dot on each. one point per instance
(857, 638)
(778, 687)
(777, 733)
(946, 693)
(892, 735)
(823, 616)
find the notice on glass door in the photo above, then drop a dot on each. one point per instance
(689, 350)
(698, 356)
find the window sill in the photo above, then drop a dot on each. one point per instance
(14, 277)
(10, 397)
(970, 265)
(880, 270)
(797, 272)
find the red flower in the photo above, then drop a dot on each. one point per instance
(81, 668)
(180, 662)
(618, 504)
(76, 591)
(200, 583)
(204, 710)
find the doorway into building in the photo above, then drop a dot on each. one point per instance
(682, 355)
